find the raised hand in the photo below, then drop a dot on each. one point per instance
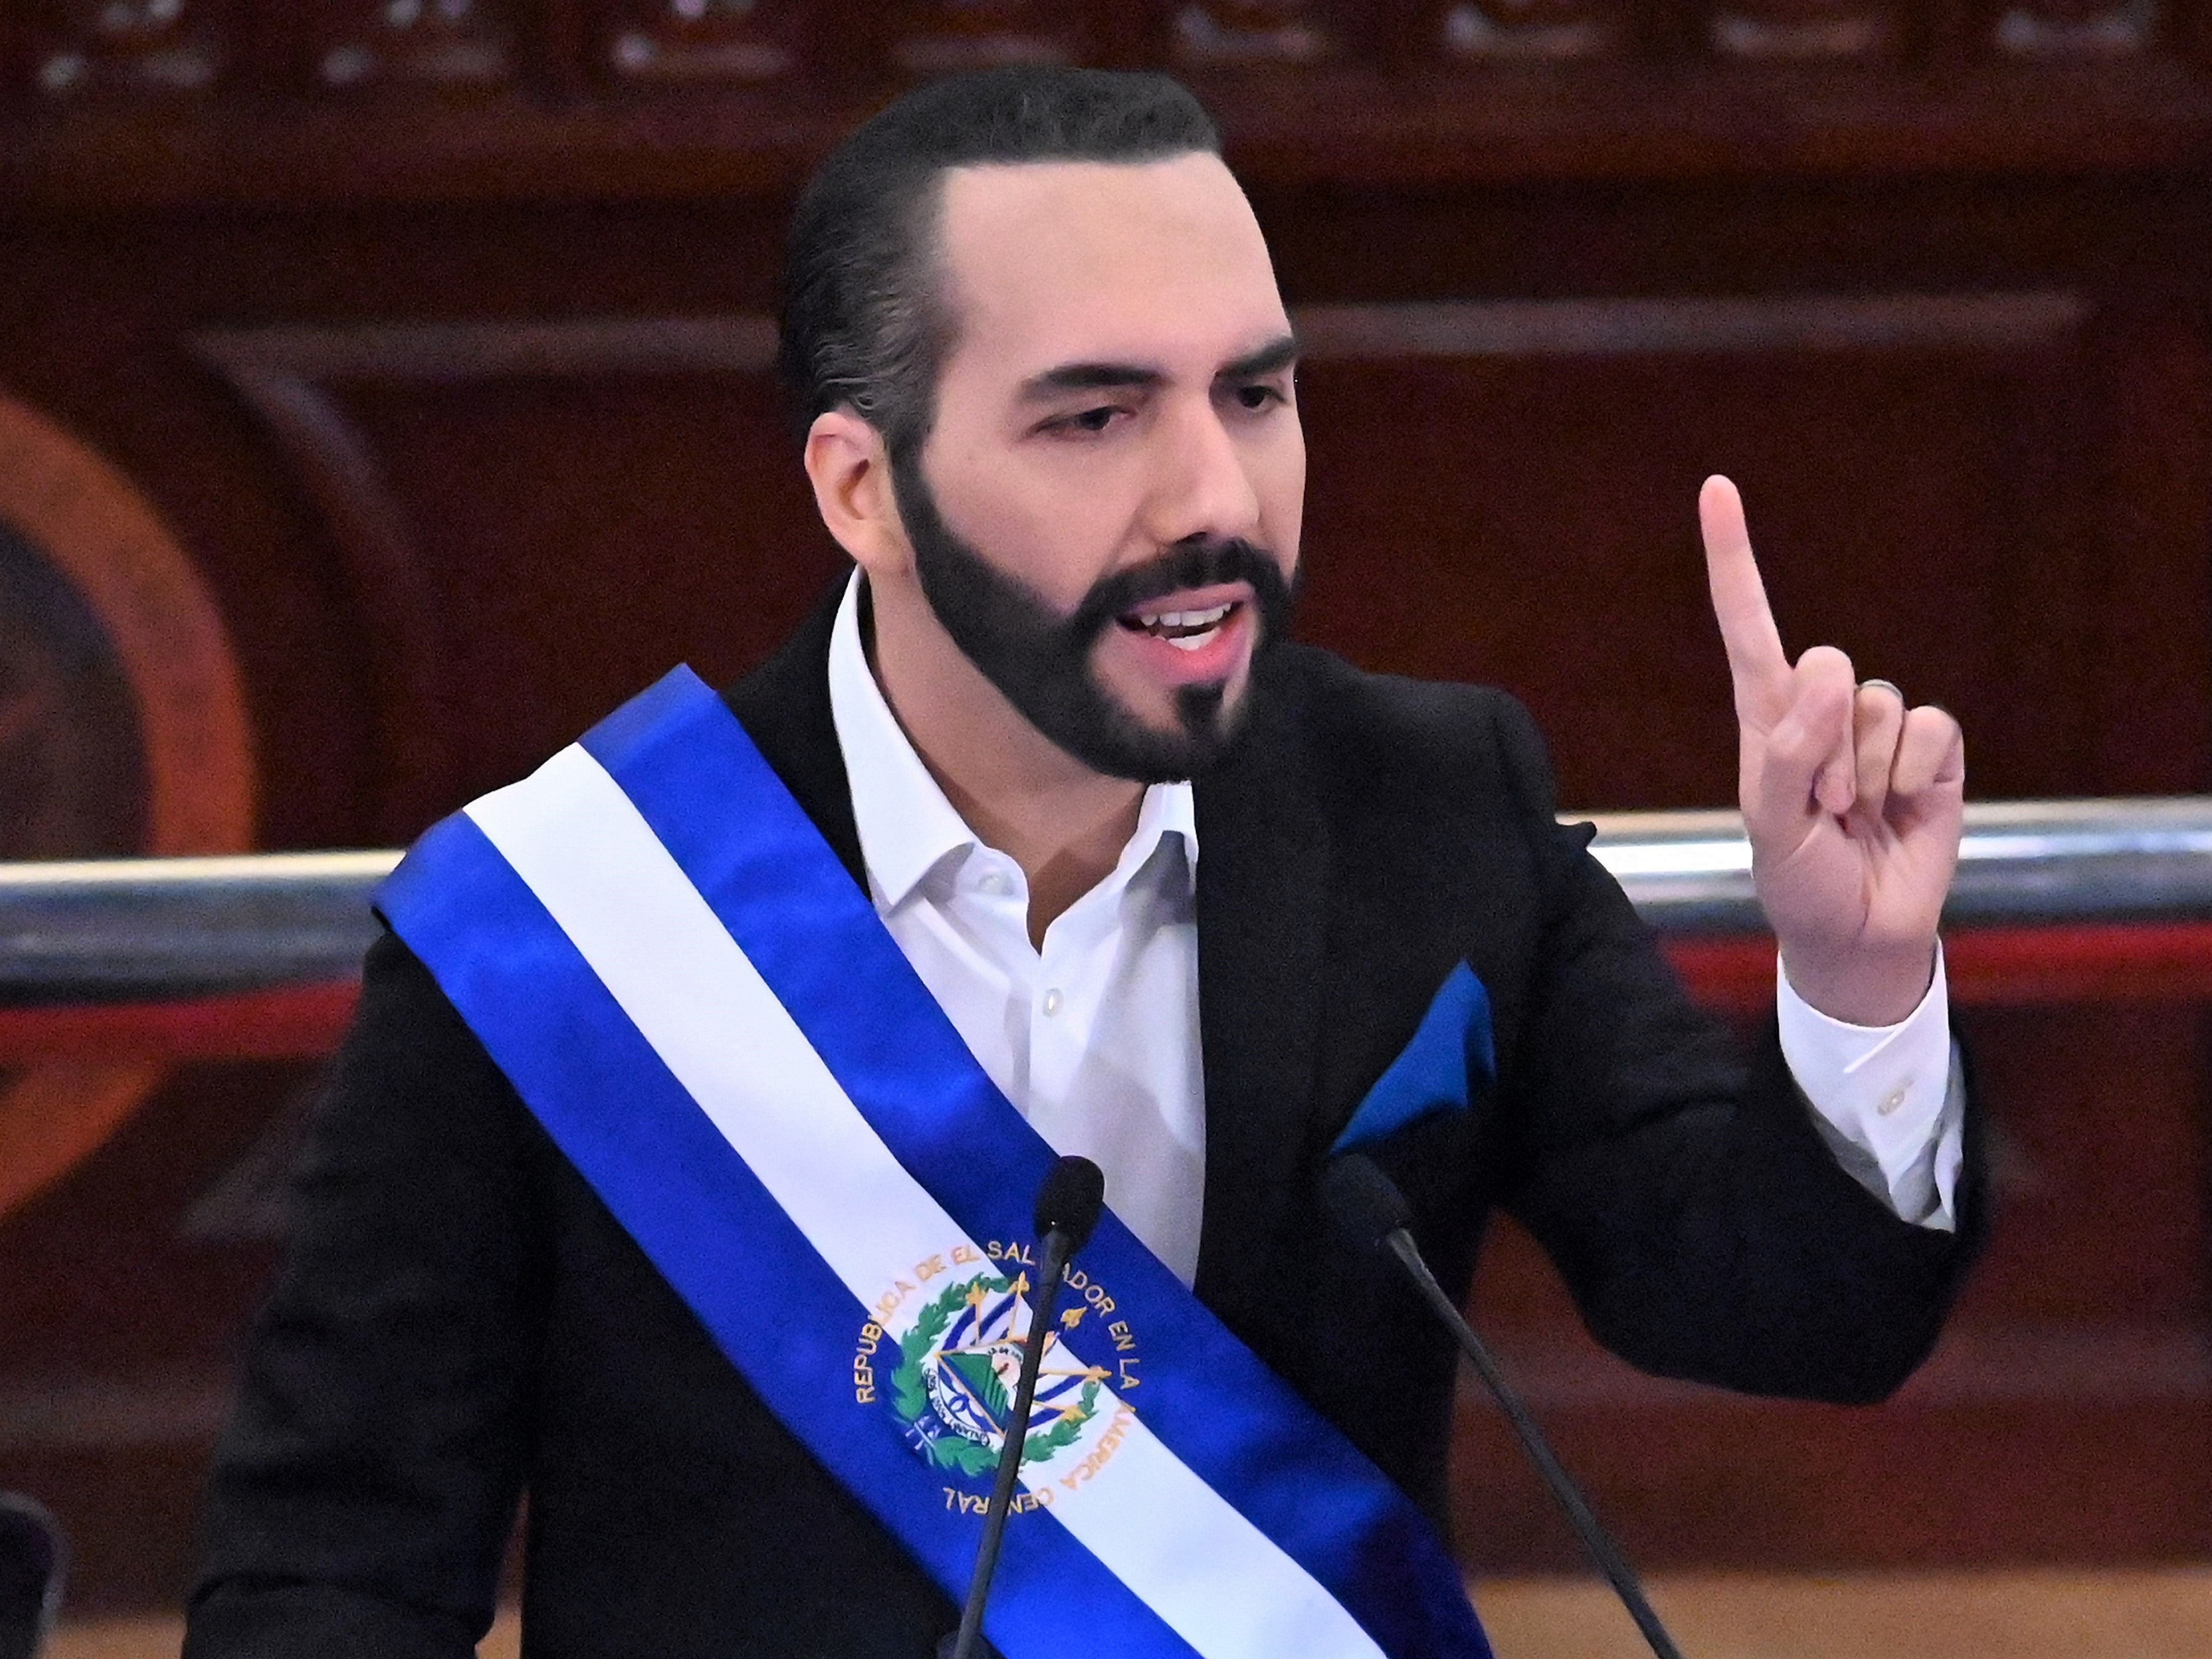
(1853, 803)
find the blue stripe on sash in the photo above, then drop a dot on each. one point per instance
(691, 771)
(711, 1229)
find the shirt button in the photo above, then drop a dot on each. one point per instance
(996, 885)
(1051, 1003)
(1894, 1098)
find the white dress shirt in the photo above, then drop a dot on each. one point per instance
(1094, 1038)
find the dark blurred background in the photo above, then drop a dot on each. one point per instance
(384, 395)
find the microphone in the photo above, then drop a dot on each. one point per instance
(1368, 1205)
(33, 1558)
(1067, 1209)
(1071, 1201)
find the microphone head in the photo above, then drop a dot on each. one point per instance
(1073, 1193)
(34, 1556)
(1362, 1200)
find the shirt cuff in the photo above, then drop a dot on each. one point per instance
(1889, 1099)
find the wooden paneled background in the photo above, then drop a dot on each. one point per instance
(384, 395)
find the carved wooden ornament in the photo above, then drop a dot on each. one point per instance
(157, 622)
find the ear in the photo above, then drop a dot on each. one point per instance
(851, 471)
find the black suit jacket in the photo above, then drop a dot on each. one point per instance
(459, 1319)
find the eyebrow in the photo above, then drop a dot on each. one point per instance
(1272, 358)
(1276, 355)
(1087, 377)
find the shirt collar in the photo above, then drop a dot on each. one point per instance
(907, 827)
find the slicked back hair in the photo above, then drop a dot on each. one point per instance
(866, 323)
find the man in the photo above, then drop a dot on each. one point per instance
(1185, 892)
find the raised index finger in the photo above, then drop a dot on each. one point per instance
(1756, 661)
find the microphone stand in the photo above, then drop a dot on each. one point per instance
(1052, 1262)
(1067, 1209)
(1363, 1195)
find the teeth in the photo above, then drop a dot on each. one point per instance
(1191, 641)
(1183, 618)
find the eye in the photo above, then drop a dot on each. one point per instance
(1255, 397)
(1084, 422)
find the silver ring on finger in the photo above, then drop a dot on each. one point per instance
(1890, 686)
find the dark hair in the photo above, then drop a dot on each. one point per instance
(864, 320)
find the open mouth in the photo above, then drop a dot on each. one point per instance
(1186, 630)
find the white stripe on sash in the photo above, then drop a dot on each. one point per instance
(584, 850)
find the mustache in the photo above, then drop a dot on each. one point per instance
(1199, 561)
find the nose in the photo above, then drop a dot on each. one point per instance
(1202, 487)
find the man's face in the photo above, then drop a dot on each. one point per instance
(1105, 516)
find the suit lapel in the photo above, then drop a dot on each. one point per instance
(1263, 866)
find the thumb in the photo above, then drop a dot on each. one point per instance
(1807, 766)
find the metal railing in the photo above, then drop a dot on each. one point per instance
(123, 929)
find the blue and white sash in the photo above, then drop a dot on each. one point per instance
(685, 986)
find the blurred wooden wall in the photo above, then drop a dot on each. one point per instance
(384, 395)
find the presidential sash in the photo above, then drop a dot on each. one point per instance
(687, 989)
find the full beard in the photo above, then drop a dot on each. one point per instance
(1040, 659)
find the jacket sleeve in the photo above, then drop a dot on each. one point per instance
(1678, 1181)
(364, 1489)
